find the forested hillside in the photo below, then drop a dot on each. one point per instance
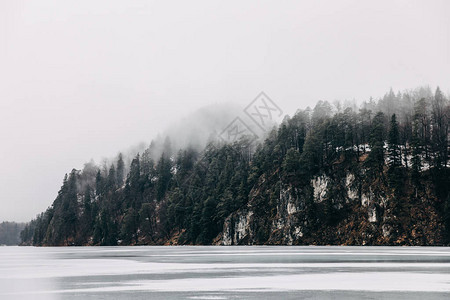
(374, 174)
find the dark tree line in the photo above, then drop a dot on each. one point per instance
(10, 233)
(397, 147)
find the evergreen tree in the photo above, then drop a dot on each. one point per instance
(395, 163)
(416, 160)
(112, 179)
(440, 129)
(147, 220)
(130, 225)
(86, 224)
(134, 185)
(120, 170)
(163, 169)
(99, 184)
(375, 160)
(291, 165)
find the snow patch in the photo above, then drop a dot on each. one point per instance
(372, 213)
(234, 233)
(320, 184)
(352, 194)
(291, 208)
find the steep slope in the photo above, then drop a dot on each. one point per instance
(324, 176)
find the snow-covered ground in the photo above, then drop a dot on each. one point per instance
(224, 272)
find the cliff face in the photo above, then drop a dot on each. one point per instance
(366, 217)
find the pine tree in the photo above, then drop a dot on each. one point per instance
(112, 177)
(423, 126)
(291, 165)
(99, 184)
(394, 144)
(394, 155)
(130, 225)
(163, 171)
(86, 223)
(416, 159)
(440, 130)
(147, 220)
(134, 185)
(120, 170)
(375, 160)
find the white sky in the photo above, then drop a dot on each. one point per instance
(85, 79)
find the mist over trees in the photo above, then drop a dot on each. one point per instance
(10, 233)
(395, 148)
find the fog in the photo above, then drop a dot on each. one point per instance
(87, 79)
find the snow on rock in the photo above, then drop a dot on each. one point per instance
(291, 208)
(286, 206)
(320, 184)
(298, 232)
(242, 225)
(287, 203)
(286, 226)
(351, 192)
(236, 228)
(226, 239)
(365, 199)
(386, 230)
(372, 214)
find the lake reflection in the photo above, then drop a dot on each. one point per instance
(241, 272)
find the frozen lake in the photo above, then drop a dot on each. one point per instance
(241, 272)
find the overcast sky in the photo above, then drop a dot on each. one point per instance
(85, 79)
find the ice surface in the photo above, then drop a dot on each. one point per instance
(223, 272)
